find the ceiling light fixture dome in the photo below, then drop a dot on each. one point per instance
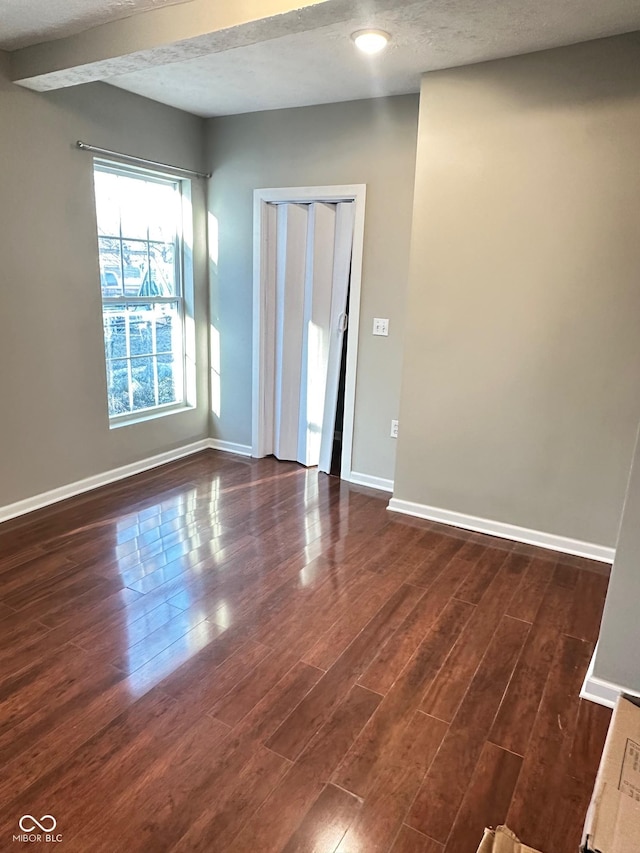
(370, 41)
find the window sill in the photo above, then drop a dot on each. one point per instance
(142, 417)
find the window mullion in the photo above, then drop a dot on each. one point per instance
(127, 337)
(121, 248)
(154, 359)
(140, 300)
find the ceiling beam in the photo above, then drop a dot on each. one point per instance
(165, 35)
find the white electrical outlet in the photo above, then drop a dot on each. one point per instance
(380, 326)
(394, 429)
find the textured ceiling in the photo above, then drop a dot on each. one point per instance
(26, 22)
(321, 65)
(298, 56)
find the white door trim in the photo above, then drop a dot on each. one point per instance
(262, 363)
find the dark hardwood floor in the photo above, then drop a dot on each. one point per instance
(228, 654)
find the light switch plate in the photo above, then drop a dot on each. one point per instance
(380, 326)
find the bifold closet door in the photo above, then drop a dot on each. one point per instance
(311, 286)
(290, 274)
(317, 321)
(342, 252)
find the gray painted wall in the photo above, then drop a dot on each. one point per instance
(520, 393)
(371, 142)
(616, 658)
(53, 414)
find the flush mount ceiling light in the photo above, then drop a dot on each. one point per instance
(370, 41)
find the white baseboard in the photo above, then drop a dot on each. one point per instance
(372, 482)
(230, 447)
(505, 531)
(86, 485)
(600, 691)
(80, 486)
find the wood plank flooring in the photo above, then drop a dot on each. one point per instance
(241, 655)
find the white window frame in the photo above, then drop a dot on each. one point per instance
(184, 294)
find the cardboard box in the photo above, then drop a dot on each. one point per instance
(613, 818)
(502, 840)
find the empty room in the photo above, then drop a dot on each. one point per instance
(319, 472)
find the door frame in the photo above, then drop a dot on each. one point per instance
(263, 336)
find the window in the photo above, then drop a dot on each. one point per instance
(142, 277)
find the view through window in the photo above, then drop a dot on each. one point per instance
(140, 248)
